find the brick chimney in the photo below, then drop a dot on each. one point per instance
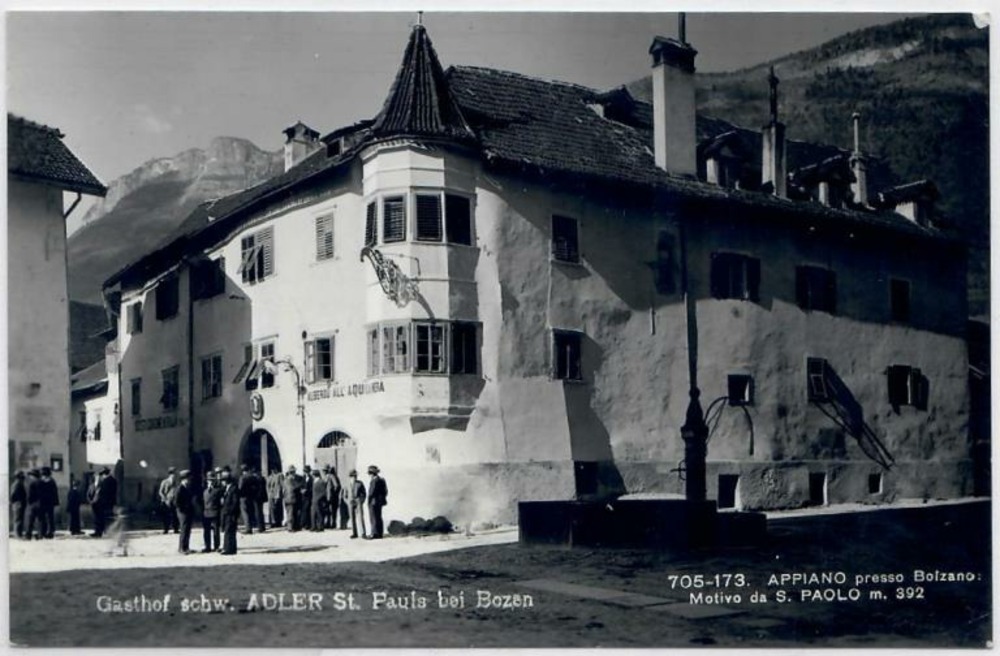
(859, 186)
(772, 170)
(300, 141)
(674, 140)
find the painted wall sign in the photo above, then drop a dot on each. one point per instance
(256, 406)
(154, 423)
(338, 391)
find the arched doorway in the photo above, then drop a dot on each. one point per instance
(260, 452)
(337, 448)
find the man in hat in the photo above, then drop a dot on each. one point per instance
(229, 513)
(274, 497)
(305, 508)
(260, 497)
(18, 501)
(34, 498)
(291, 498)
(378, 493)
(105, 496)
(353, 495)
(184, 503)
(74, 499)
(318, 497)
(248, 499)
(212, 508)
(50, 501)
(167, 491)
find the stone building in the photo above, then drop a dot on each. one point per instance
(501, 288)
(40, 168)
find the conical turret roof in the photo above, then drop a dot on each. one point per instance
(420, 102)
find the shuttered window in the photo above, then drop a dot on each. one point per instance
(458, 217)
(136, 385)
(373, 352)
(134, 320)
(167, 297)
(395, 349)
(428, 217)
(257, 256)
(565, 239)
(735, 276)
(370, 224)
(907, 386)
(430, 344)
(319, 359)
(170, 398)
(324, 237)
(393, 218)
(266, 355)
(211, 377)
(816, 288)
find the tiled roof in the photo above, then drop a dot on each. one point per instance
(420, 102)
(36, 152)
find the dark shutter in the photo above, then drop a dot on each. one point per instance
(919, 389)
(753, 279)
(428, 217)
(394, 219)
(458, 216)
(899, 380)
(370, 227)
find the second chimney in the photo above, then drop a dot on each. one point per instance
(674, 139)
(773, 151)
(300, 141)
(859, 186)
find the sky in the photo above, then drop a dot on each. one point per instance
(127, 87)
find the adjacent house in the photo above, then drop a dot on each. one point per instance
(502, 288)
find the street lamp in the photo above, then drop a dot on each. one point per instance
(286, 364)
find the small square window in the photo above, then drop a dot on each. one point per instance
(565, 239)
(740, 389)
(816, 289)
(735, 276)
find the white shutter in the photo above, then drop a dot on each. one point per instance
(265, 238)
(324, 237)
(310, 362)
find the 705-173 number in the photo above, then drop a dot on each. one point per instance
(699, 581)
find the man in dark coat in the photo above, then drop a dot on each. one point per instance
(332, 497)
(248, 499)
(50, 501)
(319, 504)
(305, 509)
(105, 497)
(168, 510)
(353, 495)
(230, 513)
(212, 503)
(184, 503)
(275, 503)
(35, 503)
(292, 499)
(74, 499)
(378, 493)
(18, 501)
(260, 497)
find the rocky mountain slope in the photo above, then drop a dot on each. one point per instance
(921, 86)
(143, 207)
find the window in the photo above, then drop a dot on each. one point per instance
(728, 490)
(247, 361)
(458, 216)
(817, 488)
(395, 349)
(211, 377)
(735, 276)
(167, 297)
(266, 374)
(82, 416)
(430, 342)
(907, 386)
(393, 218)
(816, 289)
(899, 300)
(740, 389)
(370, 224)
(875, 483)
(170, 398)
(136, 396)
(565, 240)
(567, 347)
(97, 427)
(816, 375)
(319, 359)
(428, 217)
(134, 320)
(324, 237)
(257, 256)
(464, 348)
(208, 278)
(664, 266)
(373, 351)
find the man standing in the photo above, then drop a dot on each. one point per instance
(305, 509)
(260, 496)
(354, 496)
(332, 497)
(248, 499)
(50, 501)
(275, 490)
(291, 498)
(18, 500)
(212, 503)
(35, 502)
(319, 505)
(74, 499)
(184, 502)
(230, 513)
(168, 488)
(105, 496)
(378, 493)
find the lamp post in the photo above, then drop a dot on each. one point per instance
(286, 364)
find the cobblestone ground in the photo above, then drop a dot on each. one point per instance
(538, 596)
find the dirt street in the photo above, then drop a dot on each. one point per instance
(881, 578)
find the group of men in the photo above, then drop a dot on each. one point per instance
(34, 497)
(313, 501)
